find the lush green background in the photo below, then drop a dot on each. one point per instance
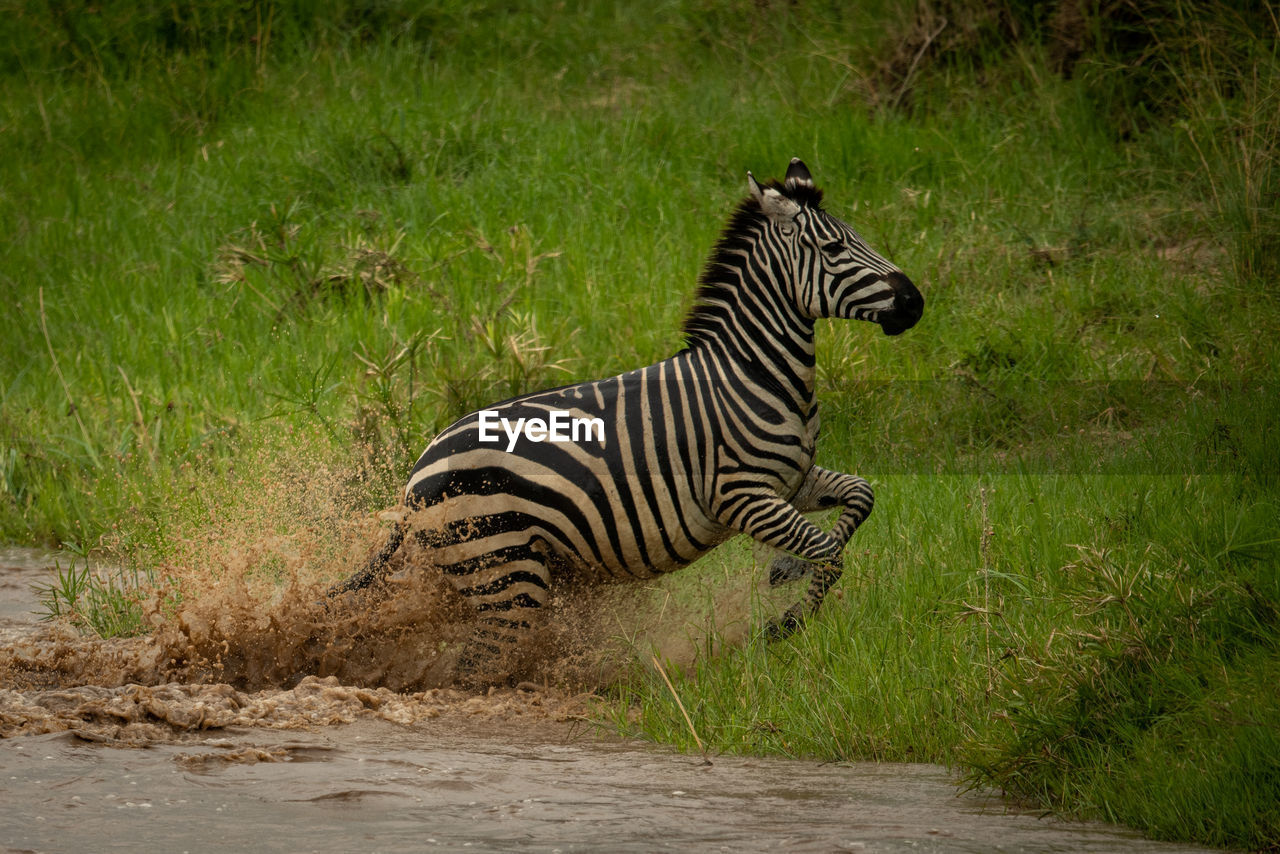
(233, 229)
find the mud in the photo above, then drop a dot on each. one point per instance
(207, 735)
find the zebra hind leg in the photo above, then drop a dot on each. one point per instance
(493, 650)
(374, 569)
(507, 602)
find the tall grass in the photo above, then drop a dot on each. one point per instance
(239, 229)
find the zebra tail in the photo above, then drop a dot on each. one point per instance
(376, 566)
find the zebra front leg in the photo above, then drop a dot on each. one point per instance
(775, 522)
(822, 489)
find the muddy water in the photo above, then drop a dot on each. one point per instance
(322, 765)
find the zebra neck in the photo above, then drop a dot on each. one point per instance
(745, 314)
(785, 375)
(770, 344)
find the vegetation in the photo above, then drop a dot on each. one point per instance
(247, 231)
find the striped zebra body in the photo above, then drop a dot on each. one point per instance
(671, 459)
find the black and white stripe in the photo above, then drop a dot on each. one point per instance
(719, 439)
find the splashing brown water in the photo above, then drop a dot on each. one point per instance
(236, 596)
(235, 654)
(256, 633)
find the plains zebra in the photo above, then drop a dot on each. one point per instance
(674, 458)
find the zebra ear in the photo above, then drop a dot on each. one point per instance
(798, 175)
(776, 206)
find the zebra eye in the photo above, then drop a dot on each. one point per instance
(835, 247)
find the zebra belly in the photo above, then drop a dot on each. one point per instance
(569, 505)
(477, 540)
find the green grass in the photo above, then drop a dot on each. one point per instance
(103, 602)
(1095, 644)
(247, 244)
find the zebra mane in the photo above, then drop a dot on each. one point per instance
(739, 233)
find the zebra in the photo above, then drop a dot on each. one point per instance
(677, 457)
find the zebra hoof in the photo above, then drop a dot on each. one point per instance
(787, 568)
(785, 626)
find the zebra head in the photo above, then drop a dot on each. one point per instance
(835, 273)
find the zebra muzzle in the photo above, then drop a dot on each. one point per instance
(908, 306)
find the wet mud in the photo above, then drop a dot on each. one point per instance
(253, 718)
